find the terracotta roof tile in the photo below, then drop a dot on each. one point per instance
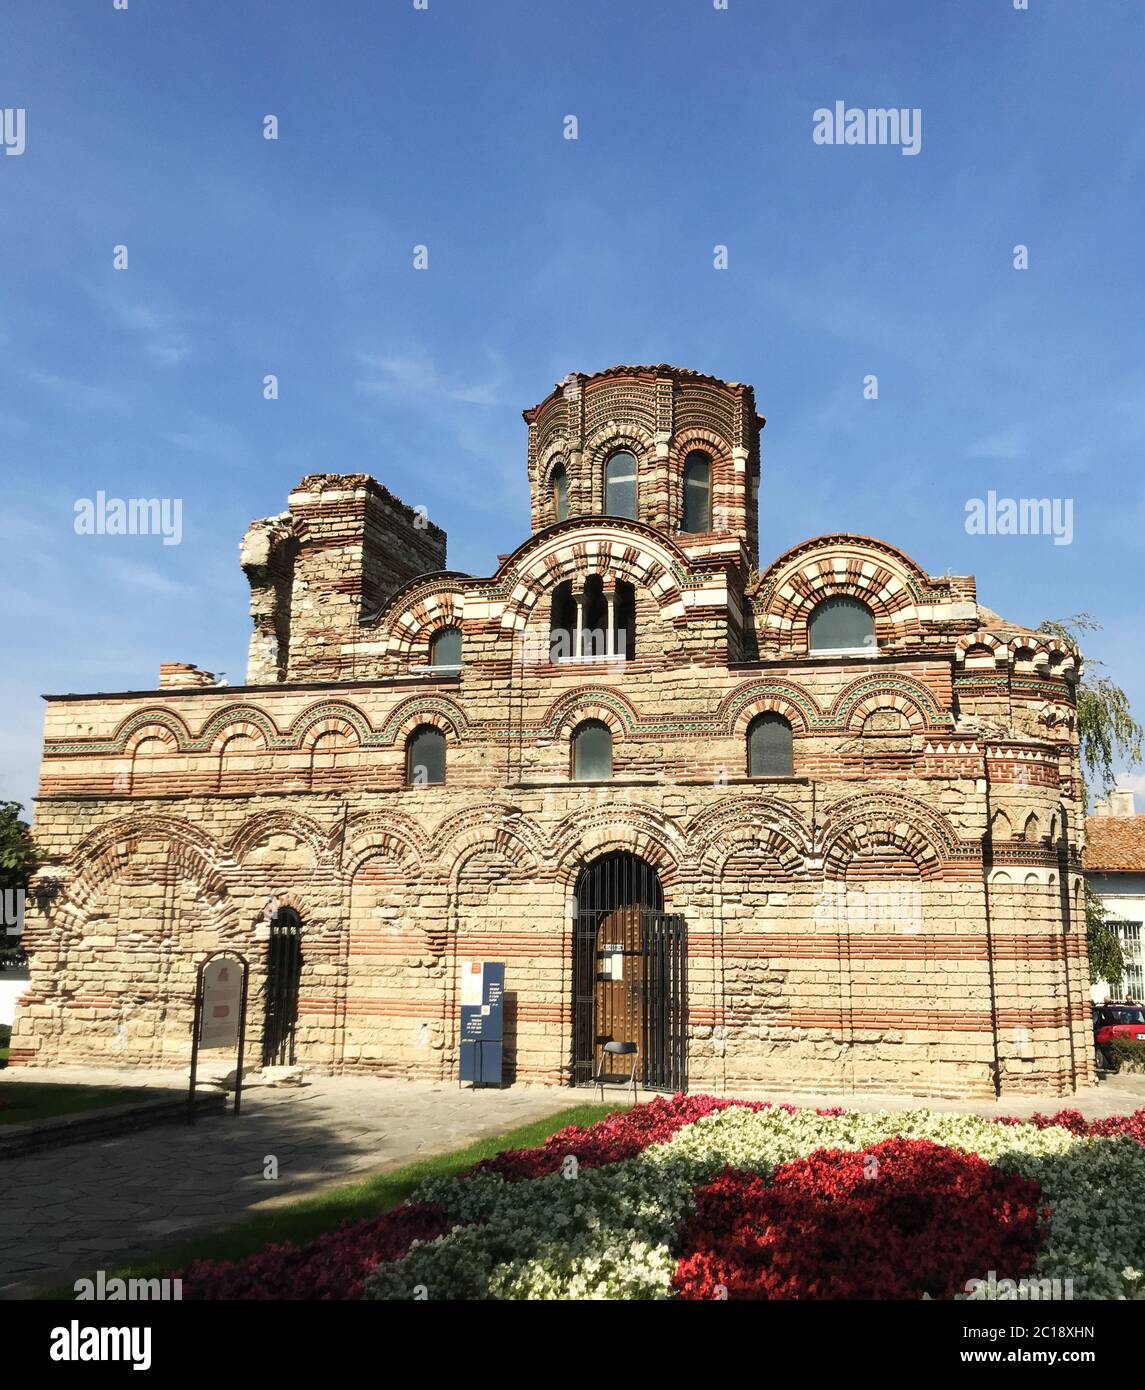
(1114, 844)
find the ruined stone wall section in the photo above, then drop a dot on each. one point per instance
(344, 548)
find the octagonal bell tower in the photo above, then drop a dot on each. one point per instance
(663, 445)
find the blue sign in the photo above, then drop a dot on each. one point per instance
(482, 1021)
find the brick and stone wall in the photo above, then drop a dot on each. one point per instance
(902, 913)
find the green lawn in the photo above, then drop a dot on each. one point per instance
(28, 1100)
(5, 1039)
(310, 1216)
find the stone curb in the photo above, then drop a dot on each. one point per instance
(101, 1124)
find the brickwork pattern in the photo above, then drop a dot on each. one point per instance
(901, 914)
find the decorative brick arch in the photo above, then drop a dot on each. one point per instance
(309, 915)
(410, 632)
(588, 834)
(887, 580)
(1048, 653)
(105, 854)
(411, 714)
(556, 455)
(613, 549)
(392, 834)
(148, 733)
(910, 698)
(148, 720)
(573, 708)
(237, 719)
(740, 823)
(872, 821)
(239, 728)
(261, 826)
(972, 641)
(488, 827)
(796, 705)
(327, 718)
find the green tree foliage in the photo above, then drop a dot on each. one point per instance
(18, 860)
(1106, 961)
(1106, 731)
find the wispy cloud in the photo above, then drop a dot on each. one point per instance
(211, 438)
(162, 334)
(413, 379)
(142, 579)
(81, 395)
(1012, 443)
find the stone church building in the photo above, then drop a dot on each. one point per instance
(812, 823)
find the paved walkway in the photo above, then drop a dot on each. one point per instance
(98, 1204)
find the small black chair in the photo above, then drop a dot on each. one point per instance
(603, 1078)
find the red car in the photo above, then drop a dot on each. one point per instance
(1119, 1020)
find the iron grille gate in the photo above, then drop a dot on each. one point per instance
(629, 973)
(283, 973)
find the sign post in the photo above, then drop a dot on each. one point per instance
(482, 1022)
(220, 1015)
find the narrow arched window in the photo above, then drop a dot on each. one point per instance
(445, 647)
(841, 624)
(425, 757)
(620, 485)
(769, 751)
(697, 492)
(560, 486)
(562, 622)
(592, 752)
(594, 622)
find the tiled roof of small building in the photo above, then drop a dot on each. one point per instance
(1114, 844)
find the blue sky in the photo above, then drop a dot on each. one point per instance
(444, 127)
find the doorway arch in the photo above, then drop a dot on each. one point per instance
(629, 972)
(283, 976)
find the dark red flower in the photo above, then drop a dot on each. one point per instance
(908, 1217)
(613, 1139)
(333, 1266)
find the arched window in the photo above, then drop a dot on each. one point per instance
(697, 492)
(562, 622)
(593, 623)
(594, 620)
(425, 757)
(592, 752)
(841, 624)
(769, 752)
(560, 486)
(620, 485)
(445, 647)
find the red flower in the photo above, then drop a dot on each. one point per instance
(611, 1140)
(334, 1266)
(1112, 1126)
(905, 1218)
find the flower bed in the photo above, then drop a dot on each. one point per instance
(333, 1266)
(698, 1197)
(905, 1218)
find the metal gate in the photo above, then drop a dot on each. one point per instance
(629, 973)
(283, 973)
